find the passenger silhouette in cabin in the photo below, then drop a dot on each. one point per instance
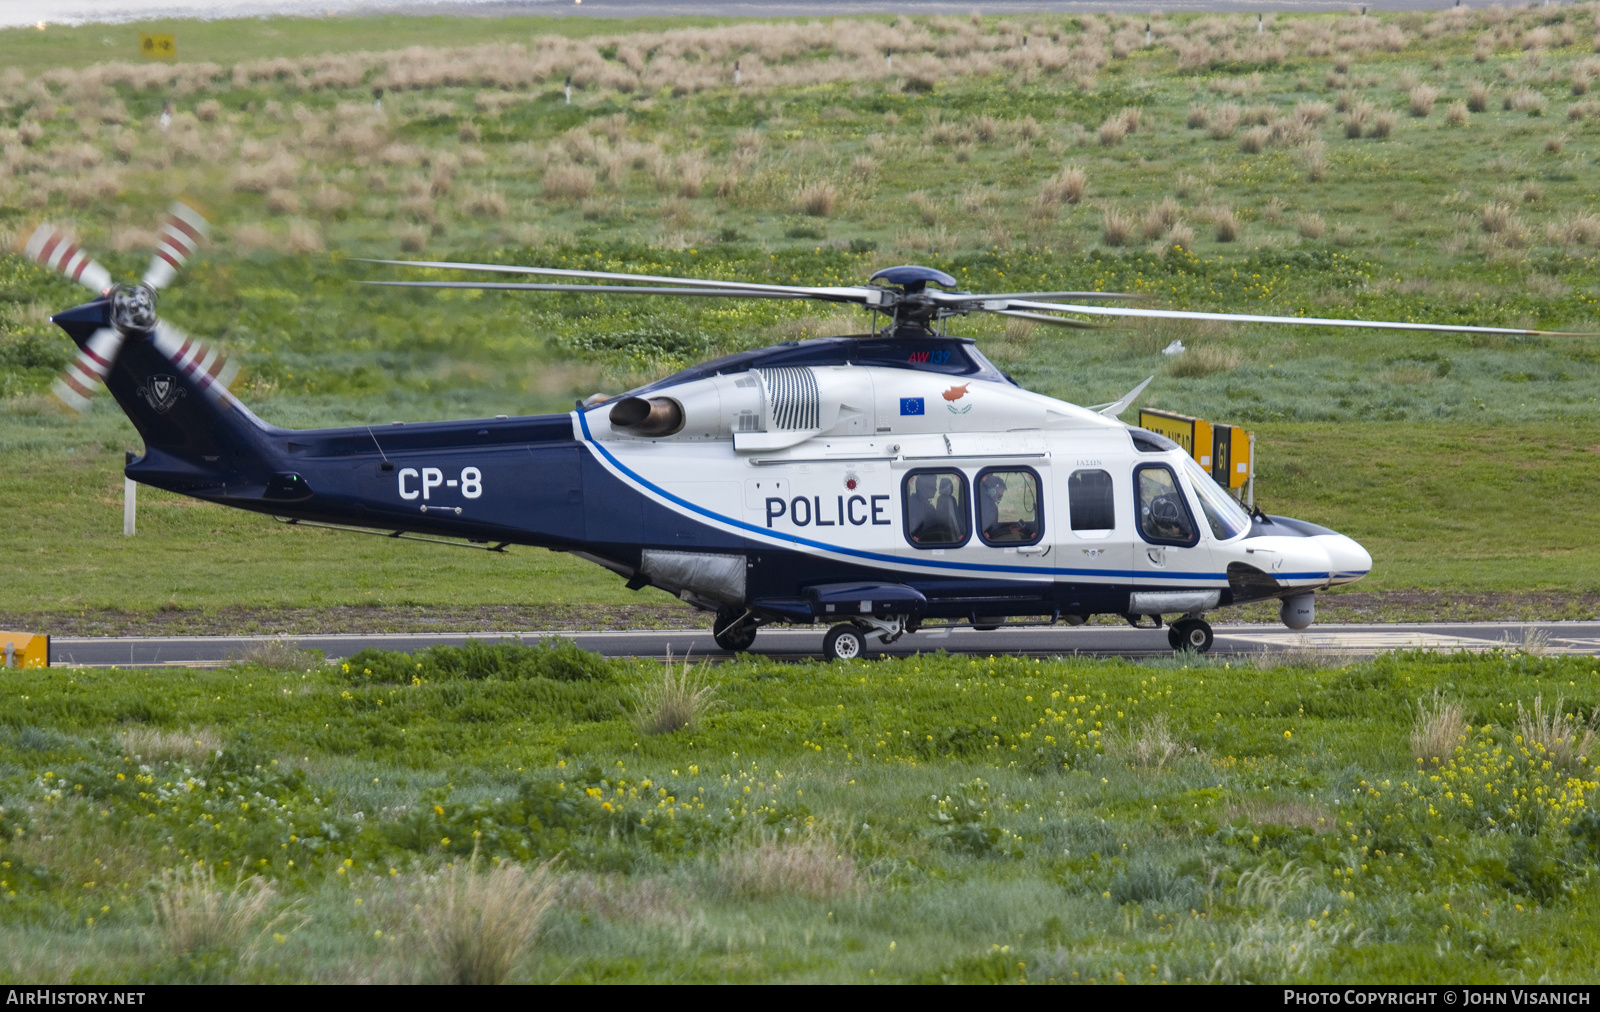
(934, 514)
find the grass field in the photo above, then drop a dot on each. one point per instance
(1322, 167)
(932, 819)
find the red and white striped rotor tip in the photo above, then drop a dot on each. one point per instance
(50, 247)
(77, 382)
(208, 368)
(180, 234)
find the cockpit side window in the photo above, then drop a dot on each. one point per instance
(937, 514)
(1224, 515)
(1164, 517)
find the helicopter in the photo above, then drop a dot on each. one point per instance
(873, 482)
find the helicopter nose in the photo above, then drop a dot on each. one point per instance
(1347, 560)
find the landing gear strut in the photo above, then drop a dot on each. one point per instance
(733, 629)
(1190, 634)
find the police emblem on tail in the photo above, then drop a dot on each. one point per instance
(161, 392)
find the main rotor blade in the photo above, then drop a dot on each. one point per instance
(1054, 321)
(513, 286)
(1304, 321)
(858, 293)
(1090, 296)
(180, 234)
(50, 247)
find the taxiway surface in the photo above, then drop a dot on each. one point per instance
(797, 644)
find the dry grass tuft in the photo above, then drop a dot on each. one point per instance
(1161, 218)
(1457, 114)
(477, 925)
(488, 203)
(1284, 813)
(1422, 99)
(1226, 224)
(1255, 140)
(1314, 157)
(676, 701)
(1498, 219)
(194, 914)
(1582, 229)
(1205, 360)
(569, 182)
(1116, 227)
(813, 867)
(1112, 131)
(1553, 145)
(1525, 100)
(1310, 226)
(279, 655)
(1479, 95)
(1437, 728)
(1066, 187)
(1566, 739)
(1383, 123)
(817, 198)
(152, 745)
(927, 208)
(1224, 122)
(1199, 116)
(1146, 745)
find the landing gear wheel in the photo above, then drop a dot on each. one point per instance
(1191, 634)
(843, 643)
(732, 630)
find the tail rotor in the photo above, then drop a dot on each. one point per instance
(133, 307)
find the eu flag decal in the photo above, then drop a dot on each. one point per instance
(911, 406)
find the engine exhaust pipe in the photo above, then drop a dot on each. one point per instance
(657, 416)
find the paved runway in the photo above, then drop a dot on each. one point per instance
(795, 644)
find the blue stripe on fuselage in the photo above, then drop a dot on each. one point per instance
(897, 560)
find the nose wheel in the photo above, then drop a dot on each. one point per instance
(1190, 634)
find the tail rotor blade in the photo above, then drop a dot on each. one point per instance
(207, 367)
(50, 247)
(76, 384)
(181, 233)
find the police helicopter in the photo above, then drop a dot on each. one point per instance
(873, 482)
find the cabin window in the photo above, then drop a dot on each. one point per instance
(936, 510)
(1164, 516)
(1090, 500)
(1008, 507)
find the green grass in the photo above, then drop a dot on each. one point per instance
(1466, 462)
(929, 819)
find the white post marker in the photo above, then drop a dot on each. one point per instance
(130, 499)
(11, 654)
(569, 91)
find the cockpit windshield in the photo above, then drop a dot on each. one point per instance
(1226, 517)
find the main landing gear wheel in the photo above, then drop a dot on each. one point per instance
(844, 643)
(1190, 634)
(733, 631)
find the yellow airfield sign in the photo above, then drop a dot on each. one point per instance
(158, 47)
(1224, 450)
(25, 650)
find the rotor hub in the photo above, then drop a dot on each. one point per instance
(133, 308)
